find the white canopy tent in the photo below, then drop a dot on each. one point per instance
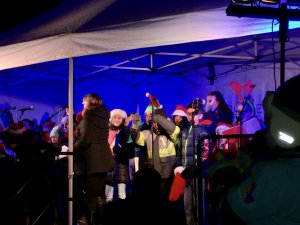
(159, 36)
(58, 35)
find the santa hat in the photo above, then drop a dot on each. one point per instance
(12, 134)
(221, 127)
(179, 111)
(118, 112)
(14, 130)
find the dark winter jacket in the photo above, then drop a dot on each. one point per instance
(122, 148)
(91, 142)
(188, 148)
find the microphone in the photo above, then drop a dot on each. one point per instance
(9, 108)
(199, 101)
(153, 100)
(25, 109)
(197, 104)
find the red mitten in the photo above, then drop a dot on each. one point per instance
(177, 188)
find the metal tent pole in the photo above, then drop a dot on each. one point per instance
(70, 138)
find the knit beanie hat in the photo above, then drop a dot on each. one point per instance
(179, 111)
(150, 108)
(118, 112)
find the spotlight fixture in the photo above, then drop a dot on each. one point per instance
(244, 1)
(285, 137)
(269, 2)
(281, 10)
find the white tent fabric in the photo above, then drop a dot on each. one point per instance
(77, 29)
(63, 41)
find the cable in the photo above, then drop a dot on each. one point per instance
(274, 63)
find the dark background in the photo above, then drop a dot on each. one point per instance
(14, 13)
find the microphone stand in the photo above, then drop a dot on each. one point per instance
(195, 189)
(21, 114)
(49, 118)
(194, 182)
(151, 130)
(240, 120)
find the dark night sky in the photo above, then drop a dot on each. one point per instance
(16, 12)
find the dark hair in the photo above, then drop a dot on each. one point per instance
(192, 105)
(93, 100)
(219, 98)
(30, 122)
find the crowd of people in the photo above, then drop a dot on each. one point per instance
(148, 170)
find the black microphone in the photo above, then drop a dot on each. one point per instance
(197, 105)
(9, 108)
(25, 109)
(199, 101)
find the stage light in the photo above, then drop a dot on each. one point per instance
(285, 137)
(280, 10)
(269, 2)
(244, 1)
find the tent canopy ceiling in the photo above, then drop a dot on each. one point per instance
(81, 28)
(135, 46)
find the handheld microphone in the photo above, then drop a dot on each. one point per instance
(25, 109)
(199, 101)
(197, 104)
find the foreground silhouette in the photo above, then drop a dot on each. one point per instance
(145, 205)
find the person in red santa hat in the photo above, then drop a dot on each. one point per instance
(182, 190)
(180, 117)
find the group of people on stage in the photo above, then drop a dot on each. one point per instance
(112, 149)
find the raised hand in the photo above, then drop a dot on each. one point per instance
(136, 121)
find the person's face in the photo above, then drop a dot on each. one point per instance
(84, 103)
(178, 120)
(54, 140)
(148, 117)
(189, 113)
(211, 103)
(116, 120)
(65, 126)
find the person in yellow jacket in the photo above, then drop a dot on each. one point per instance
(160, 142)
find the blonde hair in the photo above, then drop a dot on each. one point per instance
(93, 101)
